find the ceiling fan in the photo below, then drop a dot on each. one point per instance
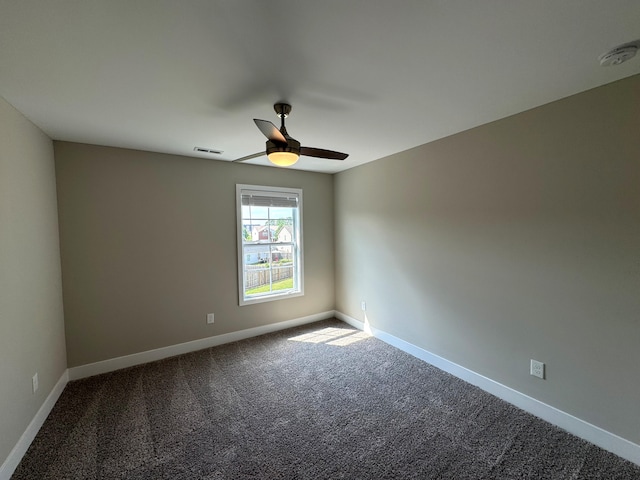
(282, 150)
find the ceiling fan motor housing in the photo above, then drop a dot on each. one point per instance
(282, 109)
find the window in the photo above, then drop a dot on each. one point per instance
(269, 243)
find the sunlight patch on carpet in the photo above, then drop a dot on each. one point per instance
(332, 336)
(349, 339)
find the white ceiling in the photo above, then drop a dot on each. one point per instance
(370, 78)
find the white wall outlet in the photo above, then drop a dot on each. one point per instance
(537, 369)
(34, 382)
(363, 306)
(210, 317)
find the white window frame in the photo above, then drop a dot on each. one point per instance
(298, 250)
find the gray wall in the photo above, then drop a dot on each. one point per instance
(515, 240)
(148, 247)
(31, 315)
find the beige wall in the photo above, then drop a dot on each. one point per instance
(148, 246)
(31, 315)
(515, 240)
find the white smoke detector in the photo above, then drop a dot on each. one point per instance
(619, 54)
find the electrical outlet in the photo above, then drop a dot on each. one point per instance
(34, 382)
(363, 306)
(210, 317)
(537, 369)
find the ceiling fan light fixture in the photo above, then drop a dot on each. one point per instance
(283, 159)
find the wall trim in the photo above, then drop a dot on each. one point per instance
(112, 364)
(609, 441)
(14, 458)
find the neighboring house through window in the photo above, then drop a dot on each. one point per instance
(269, 243)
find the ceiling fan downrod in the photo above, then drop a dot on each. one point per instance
(283, 110)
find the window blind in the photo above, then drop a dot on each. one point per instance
(269, 199)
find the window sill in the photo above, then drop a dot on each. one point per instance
(270, 298)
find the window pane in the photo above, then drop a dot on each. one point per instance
(257, 271)
(279, 212)
(247, 228)
(282, 277)
(259, 231)
(259, 212)
(284, 234)
(282, 255)
(257, 282)
(256, 255)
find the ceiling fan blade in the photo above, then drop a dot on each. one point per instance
(270, 131)
(249, 157)
(321, 153)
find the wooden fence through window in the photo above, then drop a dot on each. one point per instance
(257, 275)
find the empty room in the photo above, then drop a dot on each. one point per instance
(247, 239)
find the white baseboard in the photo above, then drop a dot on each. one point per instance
(118, 363)
(14, 458)
(591, 433)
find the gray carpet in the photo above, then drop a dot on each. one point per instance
(314, 402)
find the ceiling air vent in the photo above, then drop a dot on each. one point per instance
(207, 150)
